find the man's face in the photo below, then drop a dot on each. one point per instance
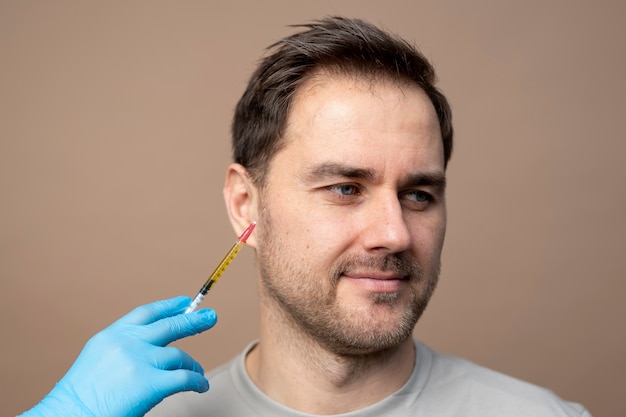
(353, 214)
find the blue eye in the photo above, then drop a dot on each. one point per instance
(417, 199)
(344, 189)
(421, 196)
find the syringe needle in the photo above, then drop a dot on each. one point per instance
(221, 267)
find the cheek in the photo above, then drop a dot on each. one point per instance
(319, 242)
(299, 219)
(428, 240)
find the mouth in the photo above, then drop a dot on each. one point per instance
(378, 275)
(376, 281)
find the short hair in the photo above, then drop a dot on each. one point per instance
(350, 46)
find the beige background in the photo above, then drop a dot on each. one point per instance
(114, 126)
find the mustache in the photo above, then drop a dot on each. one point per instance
(400, 264)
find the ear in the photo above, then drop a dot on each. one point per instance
(241, 198)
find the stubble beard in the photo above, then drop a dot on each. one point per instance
(310, 304)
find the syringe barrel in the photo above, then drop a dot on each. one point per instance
(195, 303)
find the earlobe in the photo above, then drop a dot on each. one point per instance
(240, 196)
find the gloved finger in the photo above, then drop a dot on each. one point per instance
(172, 358)
(180, 380)
(167, 330)
(149, 313)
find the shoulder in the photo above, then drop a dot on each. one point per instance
(469, 386)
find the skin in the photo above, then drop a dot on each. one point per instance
(351, 225)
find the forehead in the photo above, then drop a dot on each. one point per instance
(361, 121)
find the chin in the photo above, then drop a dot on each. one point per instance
(367, 345)
(380, 332)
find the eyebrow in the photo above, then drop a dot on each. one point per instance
(431, 179)
(334, 170)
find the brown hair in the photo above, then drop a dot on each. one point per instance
(350, 46)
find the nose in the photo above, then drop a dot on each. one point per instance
(386, 229)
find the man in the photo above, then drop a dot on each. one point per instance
(341, 143)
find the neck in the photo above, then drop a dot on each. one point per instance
(295, 370)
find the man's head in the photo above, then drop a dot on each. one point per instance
(345, 172)
(338, 45)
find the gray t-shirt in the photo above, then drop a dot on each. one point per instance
(440, 385)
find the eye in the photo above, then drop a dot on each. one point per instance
(417, 199)
(344, 189)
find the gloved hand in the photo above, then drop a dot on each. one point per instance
(125, 369)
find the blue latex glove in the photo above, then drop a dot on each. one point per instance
(125, 369)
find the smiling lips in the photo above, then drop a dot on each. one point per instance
(376, 281)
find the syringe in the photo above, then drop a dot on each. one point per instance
(219, 270)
